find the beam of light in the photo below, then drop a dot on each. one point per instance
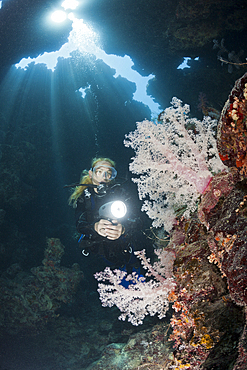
(70, 4)
(85, 40)
(58, 16)
(1, 4)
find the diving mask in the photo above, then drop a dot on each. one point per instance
(104, 172)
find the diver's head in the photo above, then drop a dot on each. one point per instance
(103, 170)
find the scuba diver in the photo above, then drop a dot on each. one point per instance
(103, 233)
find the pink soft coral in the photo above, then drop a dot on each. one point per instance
(142, 297)
(174, 159)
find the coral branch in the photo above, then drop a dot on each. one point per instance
(142, 297)
(174, 158)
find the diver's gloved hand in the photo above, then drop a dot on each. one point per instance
(109, 229)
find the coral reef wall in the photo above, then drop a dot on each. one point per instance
(29, 300)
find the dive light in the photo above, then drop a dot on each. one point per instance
(113, 210)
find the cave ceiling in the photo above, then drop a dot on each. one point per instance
(156, 34)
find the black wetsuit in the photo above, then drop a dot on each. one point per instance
(117, 252)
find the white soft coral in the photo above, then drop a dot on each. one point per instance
(174, 158)
(142, 297)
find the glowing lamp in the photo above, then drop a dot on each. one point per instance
(113, 210)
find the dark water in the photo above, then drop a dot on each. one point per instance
(49, 134)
